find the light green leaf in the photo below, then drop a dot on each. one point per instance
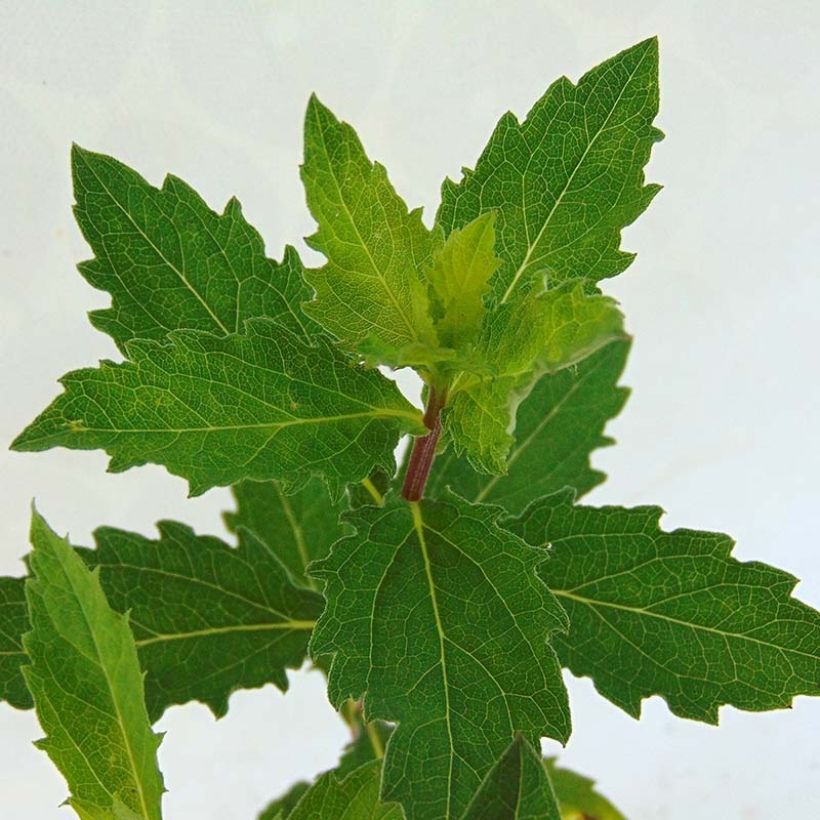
(517, 788)
(459, 278)
(520, 342)
(87, 687)
(282, 807)
(568, 179)
(372, 289)
(171, 263)
(437, 617)
(262, 405)
(297, 528)
(557, 427)
(207, 618)
(671, 613)
(13, 623)
(577, 796)
(354, 797)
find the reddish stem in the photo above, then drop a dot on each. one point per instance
(424, 448)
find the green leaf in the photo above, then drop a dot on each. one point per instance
(207, 618)
(354, 797)
(297, 528)
(282, 807)
(577, 796)
(517, 788)
(87, 687)
(13, 623)
(520, 342)
(372, 289)
(171, 263)
(568, 179)
(459, 279)
(557, 427)
(263, 405)
(671, 613)
(436, 616)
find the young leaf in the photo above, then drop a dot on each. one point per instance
(207, 618)
(297, 528)
(437, 617)
(372, 288)
(171, 263)
(459, 279)
(519, 342)
(354, 797)
(557, 427)
(568, 179)
(577, 796)
(87, 687)
(671, 613)
(13, 623)
(517, 788)
(260, 405)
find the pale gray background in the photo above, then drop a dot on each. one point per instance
(722, 427)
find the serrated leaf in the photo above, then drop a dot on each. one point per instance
(297, 528)
(568, 179)
(577, 796)
(436, 616)
(459, 279)
(517, 788)
(260, 405)
(13, 623)
(671, 613)
(354, 797)
(372, 289)
(171, 263)
(207, 618)
(87, 687)
(539, 334)
(557, 427)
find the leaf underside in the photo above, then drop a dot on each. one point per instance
(577, 796)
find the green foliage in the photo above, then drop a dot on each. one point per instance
(85, 679)
(566, 181)
(671, 613)
(437, 617)
(577, 796)
(442, 624)
(260, 405)
(207, 618)
(517, 788)
(169, 262)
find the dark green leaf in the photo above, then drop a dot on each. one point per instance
(264, 405)
(171, 263)
(568, 179)
(517, 788)
(297, 528)
(437, 617)
(671, 613)
(13, 623)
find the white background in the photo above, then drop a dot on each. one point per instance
(722, 426)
